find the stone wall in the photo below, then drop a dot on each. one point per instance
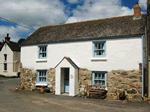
(85, 78)
(28, 79)
(117, 81)
(51, 79)
(128, 81)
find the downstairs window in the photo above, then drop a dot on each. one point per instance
(42, 76)
(99, 77)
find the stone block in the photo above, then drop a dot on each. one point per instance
(132, 91)
(136, 85)
(115, 97)
(113, 90)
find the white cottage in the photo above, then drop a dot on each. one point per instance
(104, 51)
(9, 58)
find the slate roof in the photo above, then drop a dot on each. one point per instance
(13, 46)
(70, 61)
(124, 25)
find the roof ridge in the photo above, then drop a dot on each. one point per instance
(48, 26)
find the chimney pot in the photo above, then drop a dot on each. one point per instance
(7, 38)
(137, 10)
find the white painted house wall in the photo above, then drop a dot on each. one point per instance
(123, 54)
(10, 61)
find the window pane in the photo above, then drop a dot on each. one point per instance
(99, 52)
(103, 76)
(100, 82)
(103, 82)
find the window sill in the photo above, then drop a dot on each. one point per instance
(99, 59)
(41, 60)
(40, 84)
(4, 70)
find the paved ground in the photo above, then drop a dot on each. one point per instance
(24, 101)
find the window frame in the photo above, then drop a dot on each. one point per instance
(39, 57)
(5, 57)
(5, 66)
(99, 72)
(40, 82)
(94, 49)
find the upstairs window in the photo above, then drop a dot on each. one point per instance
(99, 49)
(42, 52)
(5, 66)
(99, 77)
(42, 76)
(5, 57)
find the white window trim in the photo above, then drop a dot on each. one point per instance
(40, 84)
(99, 59)
(41, 60)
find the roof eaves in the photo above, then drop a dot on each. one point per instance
(84, 39)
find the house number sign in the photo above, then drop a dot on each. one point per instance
(71, 76)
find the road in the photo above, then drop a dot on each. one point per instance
(25, 101)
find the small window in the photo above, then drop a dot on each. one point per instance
(99, 49)
(5, 66)
(99, 78)
(42, 76)
(42, 52)
(5, 57)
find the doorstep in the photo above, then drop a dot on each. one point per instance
(65, 94)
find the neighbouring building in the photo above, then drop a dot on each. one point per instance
(9, 58)
(105, 51)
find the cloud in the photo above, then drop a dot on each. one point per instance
(143, 4)
(97, 9)
(33, 13)
(73, 1)
(14, 32)
(71, 19)
(30, 13)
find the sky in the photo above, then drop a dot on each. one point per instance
(32, 14)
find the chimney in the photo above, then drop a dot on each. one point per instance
(7, 38)
(137, 11)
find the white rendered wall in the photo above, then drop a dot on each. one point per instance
(123, 54)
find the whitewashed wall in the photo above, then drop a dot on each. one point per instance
(123, 54)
